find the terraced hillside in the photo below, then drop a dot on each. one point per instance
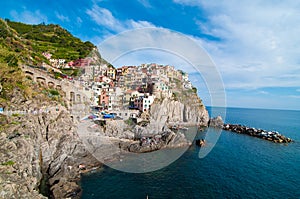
(28, 42)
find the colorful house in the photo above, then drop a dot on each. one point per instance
(143, 103)
(104, 100)
(111, 72)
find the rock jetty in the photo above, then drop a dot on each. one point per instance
(272, 136)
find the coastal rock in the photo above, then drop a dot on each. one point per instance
(163, 140)
(118, 129)
(189, 112)
(216, 122)
(272, 136)
(39, 147)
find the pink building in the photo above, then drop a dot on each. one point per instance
(104, 99)
(82, 62)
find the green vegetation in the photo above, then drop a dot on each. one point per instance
(51, 38)
(53, 92)
(8, 163)
(175, 96)
(11, 77)
(71, 72)
(129, 122)
(15, 123)
(194, 89)
(24, 43)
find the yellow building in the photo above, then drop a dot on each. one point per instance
(111, 72)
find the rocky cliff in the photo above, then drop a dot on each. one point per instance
(41, 152)
(186, 110)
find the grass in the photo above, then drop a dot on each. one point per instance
(15, 123)
(8, 163)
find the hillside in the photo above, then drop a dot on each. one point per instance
(21, 42)
(40, 152)
(24, 44)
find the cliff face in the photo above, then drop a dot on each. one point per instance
(39, 151)
(187, 110)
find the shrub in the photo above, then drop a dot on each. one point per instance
(54, 92)
(194, 89)
(8, 163)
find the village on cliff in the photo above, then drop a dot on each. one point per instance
(124, 92)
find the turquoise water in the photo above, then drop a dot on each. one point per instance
(239, 166)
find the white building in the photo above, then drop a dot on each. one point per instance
(147, 101)
(187, 85)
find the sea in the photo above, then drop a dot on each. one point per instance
(238, 166)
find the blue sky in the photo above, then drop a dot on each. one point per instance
(254, 44)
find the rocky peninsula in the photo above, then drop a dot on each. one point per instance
(113, 137)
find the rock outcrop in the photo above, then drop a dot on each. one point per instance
(118, 129)
(105, 142)
(216, 122)
(166, 139)
(189, 112)
(41, 153)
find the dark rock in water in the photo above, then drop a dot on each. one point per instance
(216, 122)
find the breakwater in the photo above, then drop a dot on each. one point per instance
(272, 136)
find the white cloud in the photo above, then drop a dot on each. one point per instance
(62, 17)
(145, 3)
(104, 17)
(257, 46)
(28, 17)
